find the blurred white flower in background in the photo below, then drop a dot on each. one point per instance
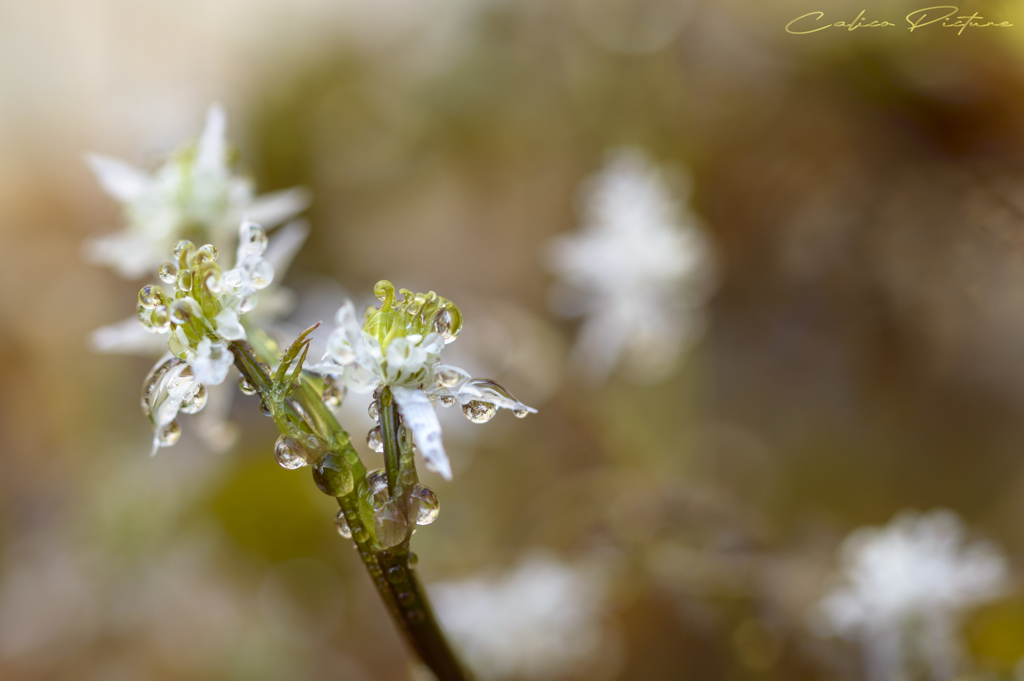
(903, 590)
(541, 620)
(195, 195)
(638, 271)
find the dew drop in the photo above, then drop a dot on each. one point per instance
(448, 377)
(375, 439)
(160, 318)
(425, 504)
(416, 616)
(478, 411)
(520, 413)
(377, 488)
(196, 401)
(341, 523)
(249, 302)
(169, 434)
(184, 280)
(405, 438)
(333, 394)
(182, 310)
(182, 246)
(262, 275)
(206, 253)
(265, 408)
(149, 297)
(447, 400)
(373, 411)
(289, 453)
(395, 574)
(406, 598)
(245, 386)
(333, 476)
(255, 240)
(168, 273)
(212, 284)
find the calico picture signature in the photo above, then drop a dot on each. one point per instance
(940, 16)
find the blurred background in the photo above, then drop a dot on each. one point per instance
(862, 193)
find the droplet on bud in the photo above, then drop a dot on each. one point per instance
(341, 523)
(373, 411)
(184, 280)
(206, 253)
(212, 284)
(149, 297)
(183, 310)
(245, 386)
(375, 439)
(169, 434)
(265, 408)
(167, 272)
(333, 476)
(183, 246)
(478, 411)
(447, 400)
(161, 319)
(196, 401)
(425, 504)
(520, 413)
(289, 453)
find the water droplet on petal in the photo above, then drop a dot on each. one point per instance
(341, 523)
(169, 434)
(255, 239)
(375, 439)
(249, 302)
(425, 504)
(448, 377)
(520, 413)
(447, 400)
(168, 273)
(212, 284)
(333, 476)
(478, 411)
(196, 401)
(373, 411)
(262, 275)
(289, 453)
(245, 386)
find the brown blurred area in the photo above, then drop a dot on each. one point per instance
(864, 192)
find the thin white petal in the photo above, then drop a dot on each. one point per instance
(419, 414)
(270, 210)
(122, 181)
(128, 337)
(285, 243)
(213, 143)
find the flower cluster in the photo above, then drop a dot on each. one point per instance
(201, 316)
(638, 272)
(904, 588)
(195, 195)
(399, 346)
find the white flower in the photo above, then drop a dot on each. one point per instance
(194, 195)
(170, 387)
(538, 621)
(405, 355)
(904, 588)
(638, 271)
(211, 362)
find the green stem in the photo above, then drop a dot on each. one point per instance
(391, 570)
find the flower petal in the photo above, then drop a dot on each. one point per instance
(270, 210)
(213, 143)
(419, 414)
(124, 182)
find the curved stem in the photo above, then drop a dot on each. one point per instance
(391, 570)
